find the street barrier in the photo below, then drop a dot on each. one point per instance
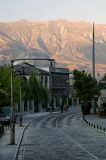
(91, 125)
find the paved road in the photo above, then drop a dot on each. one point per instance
(62, 137)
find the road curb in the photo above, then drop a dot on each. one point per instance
(17, 149)
(94, 126)
(21, 138)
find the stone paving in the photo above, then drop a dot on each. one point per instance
(7, 151)
(63, 137)
(57, 137)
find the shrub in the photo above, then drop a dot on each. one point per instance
(86, 107)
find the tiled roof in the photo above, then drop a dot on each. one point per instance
(26, 69)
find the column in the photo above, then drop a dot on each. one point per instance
(67, 101)
(22, 106)
(33, 106)
(72, 101)
(28, 105)
(40, 107)
(77, 101)
(54, 103)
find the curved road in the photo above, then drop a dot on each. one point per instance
(62, 136)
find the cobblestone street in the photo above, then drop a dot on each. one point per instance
(62, 137)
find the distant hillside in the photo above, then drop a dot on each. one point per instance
(69, 43)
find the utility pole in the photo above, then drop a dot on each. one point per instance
(93, 63)
(12, 122)
(93, 52)
(20, 117)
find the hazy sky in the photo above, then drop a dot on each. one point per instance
(87, 10)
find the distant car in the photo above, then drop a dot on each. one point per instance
(51, 109)
(5, 114)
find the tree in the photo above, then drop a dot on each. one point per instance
(5, 81)
(33, 89)
(86, 89)
(104, 77)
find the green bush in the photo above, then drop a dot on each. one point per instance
(86, 107)
(1, 130)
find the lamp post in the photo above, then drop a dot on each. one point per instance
(20, 117)
(93, 62)
(93, 52)
(12, 122)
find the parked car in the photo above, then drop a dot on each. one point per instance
(5, 114)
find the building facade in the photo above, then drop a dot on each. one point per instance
(59, 86)
(54, 79)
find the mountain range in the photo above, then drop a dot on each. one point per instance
(69, 43)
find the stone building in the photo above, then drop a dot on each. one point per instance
(59, 86)
(55, 79)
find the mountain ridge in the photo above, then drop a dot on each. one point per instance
(68, 42)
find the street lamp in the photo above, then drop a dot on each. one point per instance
(20, 117)
(93, 62)
(21, 73)
(12, 121)
(93, 52)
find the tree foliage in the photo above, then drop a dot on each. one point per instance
(86, 87)
(33, 89)
(5, 81)
(104, 77)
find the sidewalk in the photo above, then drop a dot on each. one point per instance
(7, 151)
(96, 122)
